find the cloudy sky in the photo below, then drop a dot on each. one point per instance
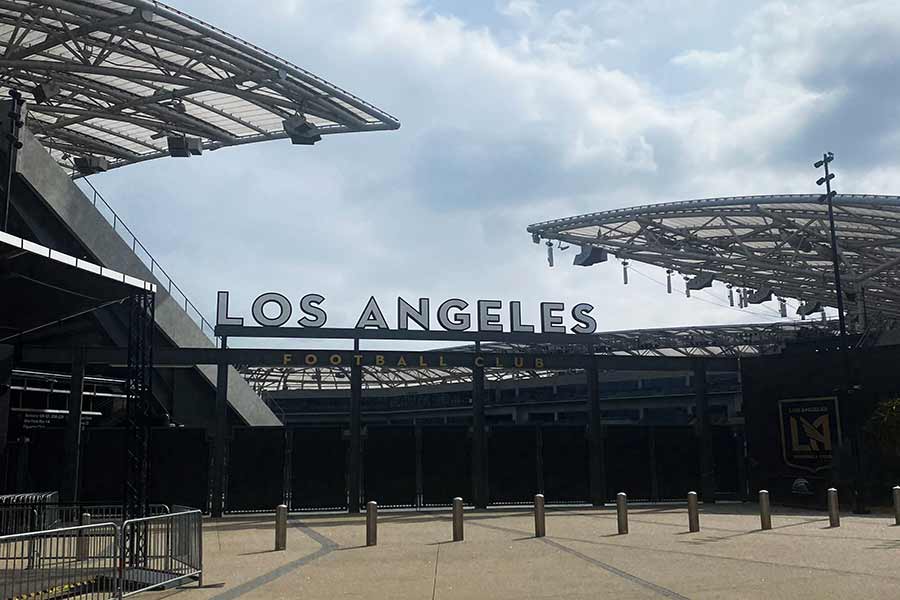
(513, 112)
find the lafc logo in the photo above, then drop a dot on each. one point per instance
(810, 437)
(809, 428)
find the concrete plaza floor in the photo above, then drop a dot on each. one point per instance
(581, 557)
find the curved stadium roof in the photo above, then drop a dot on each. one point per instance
(716, 340)
(779, 242)
(122, 76)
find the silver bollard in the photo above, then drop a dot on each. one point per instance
(540, 523)
(765, 510)
(371, 523)
(281, 527)
(693, 512)
(897, 504)
(622, 512)
(82, 546)
(457, 519)
(834, 512)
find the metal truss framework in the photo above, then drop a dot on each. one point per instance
(718, 340)
(122, 75)
(138, 402)
(757, 243)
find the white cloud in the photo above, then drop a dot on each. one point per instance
(599, 105)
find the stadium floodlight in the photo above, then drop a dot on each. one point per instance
(703, 280)
(183, 146)
(535, 238)
(91, 165)
(301, 131)
(590, 255)
(858, 497)
(799, 242)
(43, 92)
(763, 294)
(808, 308)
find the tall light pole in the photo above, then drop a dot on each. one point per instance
(846, 386)
(835, 259)
(15, 123)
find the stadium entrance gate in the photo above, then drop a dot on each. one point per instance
(426, 466)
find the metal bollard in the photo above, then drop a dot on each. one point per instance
(457, 519)
(765, 510)
(897, 504)
(281, 527)
(82, 546)
(540, 523)
(371, 523)
(834, 512)
(693, 513)
(622, 512)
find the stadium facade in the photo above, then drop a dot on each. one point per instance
(102, 355)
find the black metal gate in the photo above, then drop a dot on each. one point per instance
(512, 464)
(446, 465)
(389, 466)
(564, 453)
(179, 467)
(628, 462)
(318, 469)
(102, 468)
(677, 462)
(255, 469)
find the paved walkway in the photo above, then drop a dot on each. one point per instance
(581, 557)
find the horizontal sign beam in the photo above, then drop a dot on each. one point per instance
(260, 357)
(335, 333)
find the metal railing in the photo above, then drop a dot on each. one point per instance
(102, 560)
(30, 514)
(78, 562)
(67, 515)
(161, 550)
(22, 513)
(18, 519)
(165, 281)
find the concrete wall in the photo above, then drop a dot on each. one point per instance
(94, 232)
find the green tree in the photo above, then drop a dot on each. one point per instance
(884, 426)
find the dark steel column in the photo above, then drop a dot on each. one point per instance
(420, 491)
(479, 438)
(218, 482)
(654, 471)
(73, 430)
(704, 434)
(355, 437)
(5, 376)
(595, 439)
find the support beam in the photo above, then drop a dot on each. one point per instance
(72, 465)
(218, 477)
(6, 364)
(479, 435)
(704, 434)
(595, 438)
(355, 438)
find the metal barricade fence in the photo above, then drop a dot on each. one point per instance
(18, 519)
(21, 513)
(73, 561)
(161, 550)
(68, 515)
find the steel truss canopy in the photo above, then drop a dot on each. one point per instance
(710, 341)
(758, 243)
(116, 82)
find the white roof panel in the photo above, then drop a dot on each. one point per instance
(156, 71)
(778, 242)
